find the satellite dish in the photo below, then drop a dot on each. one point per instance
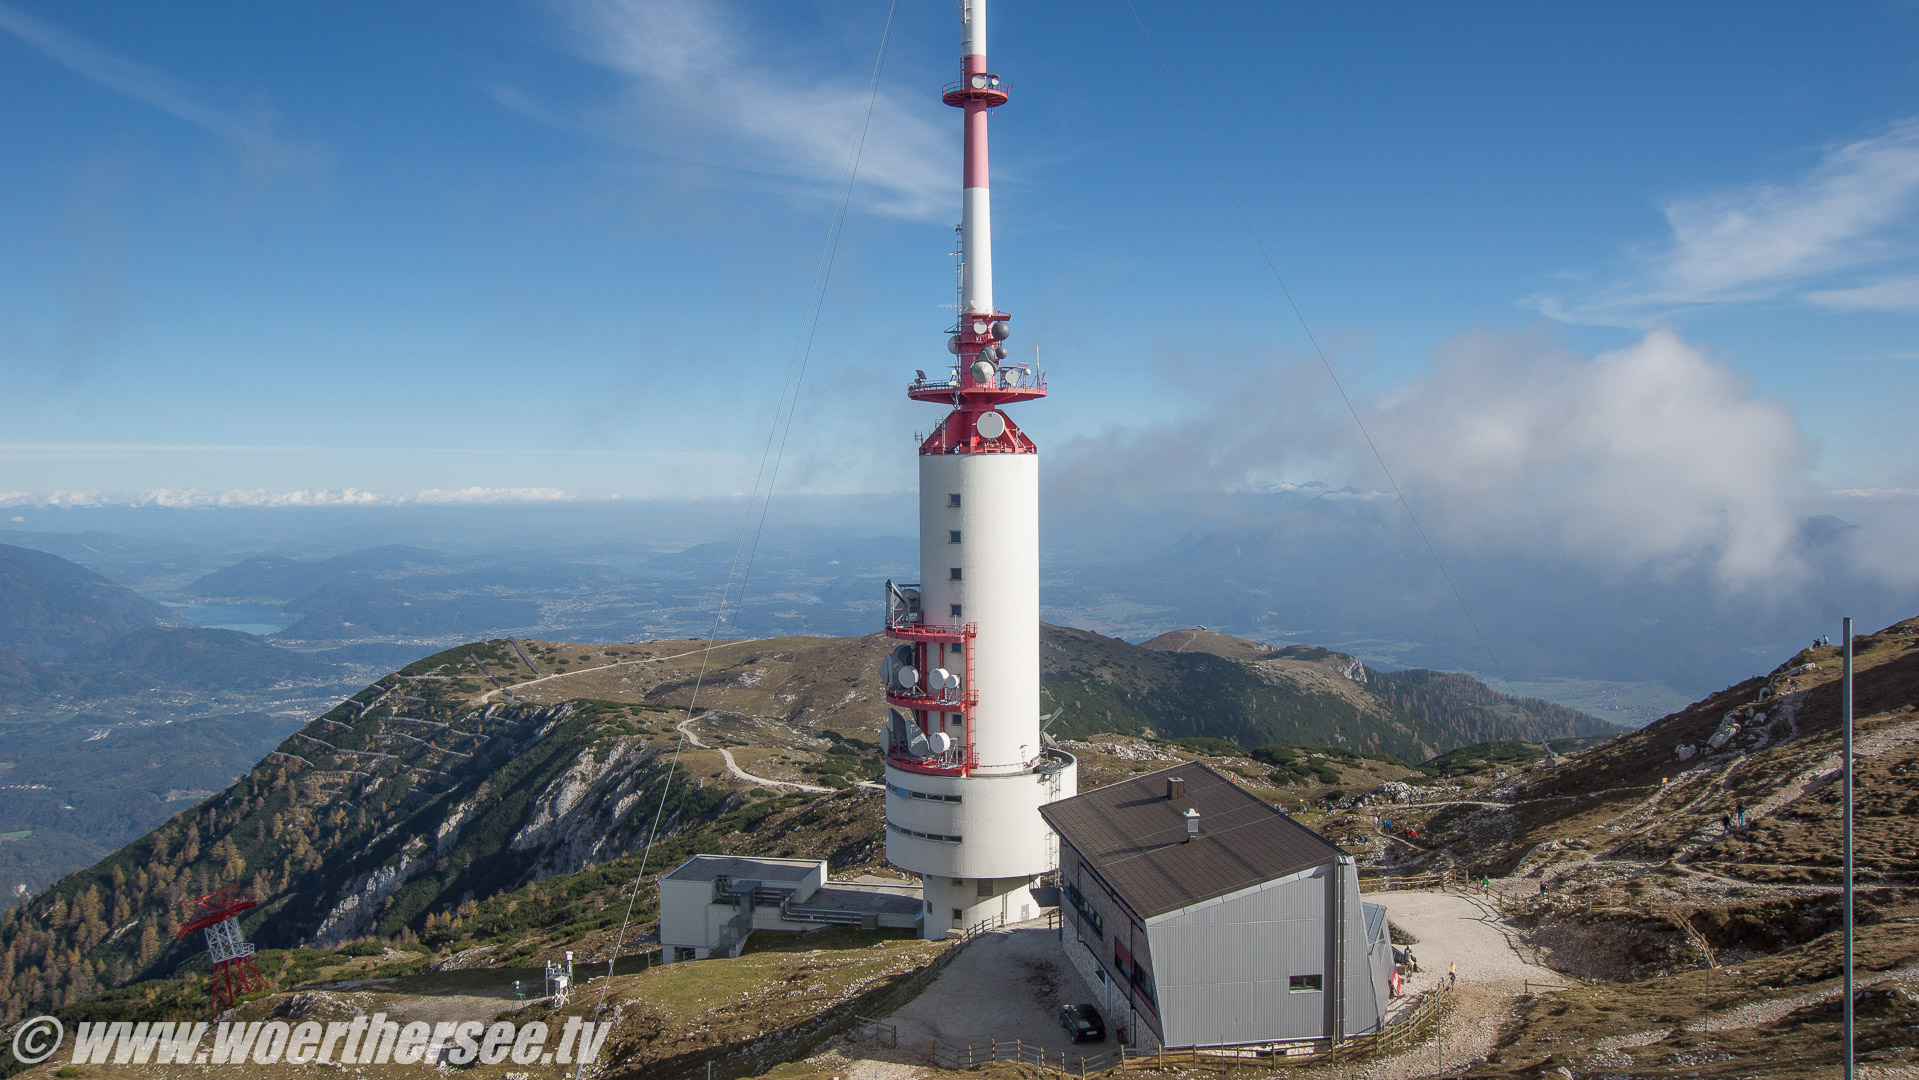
(897, 729)
(907, 678)
(999, 352)
(1001, 331)
(980, 327)
(916, 742)
(903, 654)
(980, 81)
(888, 668)
(982, 371)
(943, 679)
(940, 742)
(991, 425)
(953, 344)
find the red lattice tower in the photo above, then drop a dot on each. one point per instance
(234, 972)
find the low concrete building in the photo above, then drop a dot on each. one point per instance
(710, 904)
(1206, 917)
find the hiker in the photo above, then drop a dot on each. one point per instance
(1452, 975)
(1725, 824)
(1739, 814)
(1485, 885)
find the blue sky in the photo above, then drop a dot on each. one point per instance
(259, 252)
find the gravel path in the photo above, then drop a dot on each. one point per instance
(1494, 969)
(739, 773)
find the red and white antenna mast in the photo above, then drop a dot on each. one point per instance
(234, 972)
(966, 768)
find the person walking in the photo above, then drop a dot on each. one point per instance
(1452, 975)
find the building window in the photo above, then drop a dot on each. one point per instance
(956, 610)
(952, 536)
(940, 838)
(957, 916)
(959, 881)
(985, 887)
(909, 793)
(952, 573)
(953, 499)
(1303, 984)
(929, 907)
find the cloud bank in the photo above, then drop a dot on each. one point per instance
(194, 498)
(1647, 455)
(1653, 458)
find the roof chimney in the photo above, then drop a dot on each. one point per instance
(1192, 824)
(1175, 789)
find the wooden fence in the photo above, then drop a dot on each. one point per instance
(1438, 879)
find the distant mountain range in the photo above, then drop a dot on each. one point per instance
(51, 608)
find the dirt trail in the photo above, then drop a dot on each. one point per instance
(488, 696)
(734, 768)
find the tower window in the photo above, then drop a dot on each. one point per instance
(956, 610)
(953, 499)
(957, 916)
(952, 573)
(953, 536)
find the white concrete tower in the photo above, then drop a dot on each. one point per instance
(966, 772)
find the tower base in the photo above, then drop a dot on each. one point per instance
(963, 903)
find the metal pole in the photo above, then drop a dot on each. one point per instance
(1845, 720)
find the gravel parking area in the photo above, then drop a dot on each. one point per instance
(1007, 985)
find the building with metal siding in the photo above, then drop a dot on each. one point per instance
(1207, 917)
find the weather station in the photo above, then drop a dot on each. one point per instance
(966, 766)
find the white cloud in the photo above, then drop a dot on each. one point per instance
(686, 63)
(250, 132)
(1846, 224)
(493, 495)
(1647, 455)
(195, 498)
(1650, 458)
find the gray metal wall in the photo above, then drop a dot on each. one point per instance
(1223, 967)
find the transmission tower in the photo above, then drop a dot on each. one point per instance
(234, 972)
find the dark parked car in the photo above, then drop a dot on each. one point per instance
(1083, 1022)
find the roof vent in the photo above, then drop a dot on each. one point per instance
(1192, 824)
(1175, 789)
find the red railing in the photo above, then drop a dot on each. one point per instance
(911, 629)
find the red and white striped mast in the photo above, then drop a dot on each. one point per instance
(966, 770)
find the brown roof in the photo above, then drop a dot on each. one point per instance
(1136, 839)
